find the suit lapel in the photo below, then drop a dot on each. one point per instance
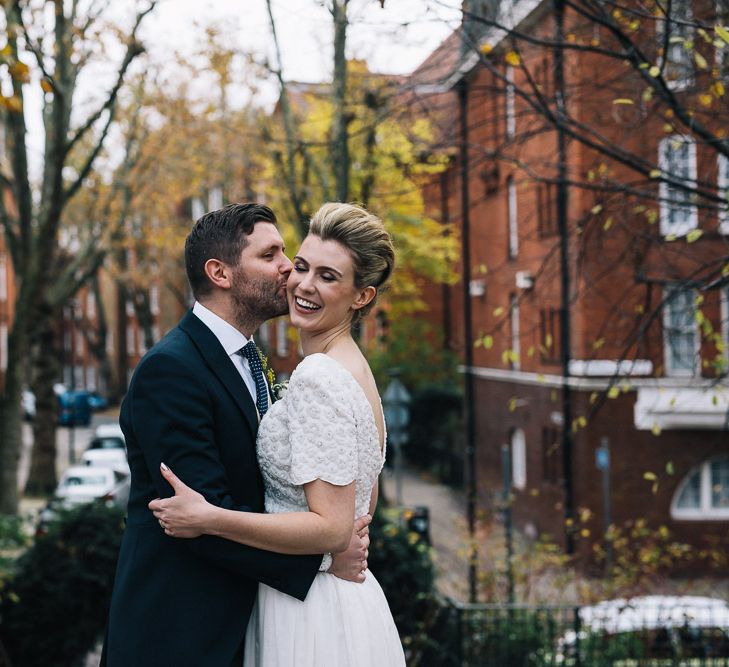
(221, 365)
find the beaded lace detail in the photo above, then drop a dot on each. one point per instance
(323, 428)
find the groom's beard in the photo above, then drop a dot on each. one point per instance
(257, 300)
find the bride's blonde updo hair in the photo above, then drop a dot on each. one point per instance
(367, 240)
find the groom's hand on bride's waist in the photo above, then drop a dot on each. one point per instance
(352, 563)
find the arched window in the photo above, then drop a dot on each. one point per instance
(518, 459)
(704, 493)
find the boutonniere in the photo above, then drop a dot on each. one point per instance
(278, 389)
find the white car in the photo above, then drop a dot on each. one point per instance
(85, 484)
(687, 625)
(109, 457)
(109, 431)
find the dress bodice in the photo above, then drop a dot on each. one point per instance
(323, 428)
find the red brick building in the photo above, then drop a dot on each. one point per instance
(647, 305)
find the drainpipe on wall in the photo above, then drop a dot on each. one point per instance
(564, 259)
(470, 415)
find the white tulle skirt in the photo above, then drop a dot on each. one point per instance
(340, 624)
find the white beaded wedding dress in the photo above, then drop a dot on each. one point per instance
(324, 429)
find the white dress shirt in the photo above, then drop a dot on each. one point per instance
(231, 339)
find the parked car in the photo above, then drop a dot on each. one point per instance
(74, 408)
(653, 627)
(84, 484)
(110, 431)
(97, 401)
(113, 458)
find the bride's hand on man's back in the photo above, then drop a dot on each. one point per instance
(183, 515)
(352, 563)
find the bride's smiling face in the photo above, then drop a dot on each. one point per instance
(321, 290)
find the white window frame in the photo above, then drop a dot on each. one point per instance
(215, 198)
(518, 459)
(3, 347)
(154, 299)
(129, 308)
(90, 305)
(676, 46)
(705, 512)
(140, 341)
(3, 278)
(510, 103)
(512, 215)
(722, 186)
(197, 208)
(669, 368)
(667, 192)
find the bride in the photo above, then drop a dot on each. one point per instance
(320, 450)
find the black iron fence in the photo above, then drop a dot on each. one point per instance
(653, 630)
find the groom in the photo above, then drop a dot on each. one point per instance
(192, 403)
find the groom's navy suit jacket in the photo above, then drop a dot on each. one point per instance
(177, 601)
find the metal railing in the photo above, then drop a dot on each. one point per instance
(621, 633)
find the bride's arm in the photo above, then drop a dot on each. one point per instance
(326, 527)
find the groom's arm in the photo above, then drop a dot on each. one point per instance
(172, 419)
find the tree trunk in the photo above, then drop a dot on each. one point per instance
(42, 478)
(11, 437)
(340, 148)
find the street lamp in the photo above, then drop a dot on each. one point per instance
(396, 405)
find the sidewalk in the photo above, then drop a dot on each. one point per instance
(448, 527)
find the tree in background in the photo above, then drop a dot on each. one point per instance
(60, 40)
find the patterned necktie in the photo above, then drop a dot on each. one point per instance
(250, 352)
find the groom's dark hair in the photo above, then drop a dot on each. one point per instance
(222, 235)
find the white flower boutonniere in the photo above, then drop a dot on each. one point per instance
(278, 389)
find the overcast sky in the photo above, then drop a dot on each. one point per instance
(394, 40)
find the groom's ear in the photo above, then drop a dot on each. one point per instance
(364, 297)
(218, 273)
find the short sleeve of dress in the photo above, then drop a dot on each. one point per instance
(322, 425)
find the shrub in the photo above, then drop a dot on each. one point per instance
(56, 603)
(402, 563)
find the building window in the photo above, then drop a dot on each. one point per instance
(197, 208)
(549, 344)
(675, 35)
(3, 347)
(155, 333)
(90, 305)
(282, 337)
(130, 308)
(722, 183)
(677, 160)
(551, 465)
(215, 199)
(511, 208)
(91, 377)
(79, 349)
(704, 493)
(142, 341)
(154, 300)
(510, 103)
(518, 459)
(515, 332)
(382, 326)
(3, 278)
(680, 333)
(131, 347)
(546, 209)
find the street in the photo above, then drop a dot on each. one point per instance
(75, 439)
